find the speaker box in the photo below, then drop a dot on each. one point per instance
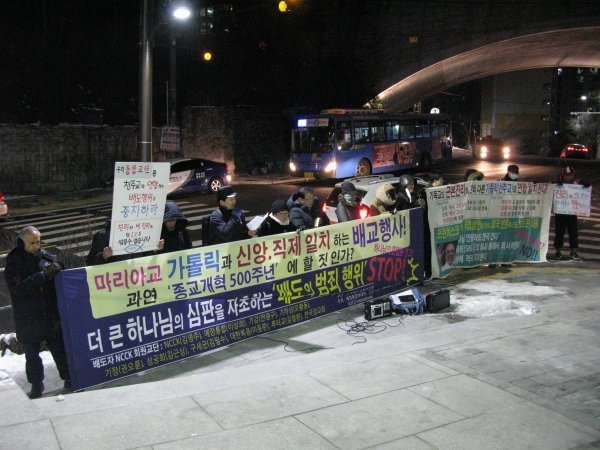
(437, 301)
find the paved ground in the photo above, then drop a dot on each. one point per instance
(437, 381)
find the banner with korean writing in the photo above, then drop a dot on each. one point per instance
(139, 198)
(573, 199)
(478, 222)
(122, 318)
(170, 139)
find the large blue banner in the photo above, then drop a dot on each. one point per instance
(123, 318)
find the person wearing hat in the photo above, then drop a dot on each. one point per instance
(566, 222)
(385, 199)
(404, 193)
(174, 232)
(348, 207)
(473, 175)
(512, 173)
(278, 220)
(227, 223)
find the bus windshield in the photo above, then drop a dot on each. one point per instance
(318, 139)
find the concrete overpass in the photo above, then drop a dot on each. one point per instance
(426, 51)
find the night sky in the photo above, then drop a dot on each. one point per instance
(58, 56)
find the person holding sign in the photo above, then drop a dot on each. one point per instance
(227, 223)
(566, 222)
(29, 273)
(174, 234)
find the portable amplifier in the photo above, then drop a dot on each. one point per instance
(437, 301)
(378, 308)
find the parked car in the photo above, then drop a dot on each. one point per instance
(366, 186)
(3, 206)
(489, 147)
(576, 151)
(196, 174)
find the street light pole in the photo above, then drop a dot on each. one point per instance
(179, 11)
(144, 141)
(173, 80)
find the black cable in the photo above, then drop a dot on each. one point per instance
(294, 351)
(354, 328)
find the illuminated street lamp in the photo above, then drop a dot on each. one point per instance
(177, 10)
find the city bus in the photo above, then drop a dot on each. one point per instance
(342, 143)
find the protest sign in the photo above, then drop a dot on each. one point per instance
(139, 198)
(478, 222)
(122, 318)
(572, 199)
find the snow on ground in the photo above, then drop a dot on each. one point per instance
(491, 297)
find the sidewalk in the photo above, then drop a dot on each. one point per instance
(523, 375)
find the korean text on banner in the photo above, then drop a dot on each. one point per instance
(477, 223)
(572, 199)
(138, 314)
(139, 198)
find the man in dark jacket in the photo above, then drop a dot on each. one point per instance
(101, 252)
(29, 273)
(227, 223)
(404, 192)
(302, 214)
(174, 233)
(278, 221)
(348, 207)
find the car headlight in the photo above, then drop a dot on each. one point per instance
(292, 167)
(506, 152)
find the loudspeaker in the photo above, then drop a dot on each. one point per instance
(437, 301)
(378, 308)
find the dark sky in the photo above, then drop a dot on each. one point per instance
(58, 56)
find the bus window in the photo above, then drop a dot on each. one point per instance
(422, 129)
(407, 129)
(344, 136)
(361, 132)
(377, 131)
(392, 130)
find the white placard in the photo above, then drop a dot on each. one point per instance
(572, 199)
(139, 200)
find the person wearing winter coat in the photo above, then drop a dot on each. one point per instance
(436, 178)
(101, 252)
(566, 222)
(174, 233)
(227, 222)
(29, 274)
(385, 200)
(302, 214)
(404, 193)
(473, 175)
(348, 207)
(278, 220)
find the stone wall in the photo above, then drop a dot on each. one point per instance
(50, 159)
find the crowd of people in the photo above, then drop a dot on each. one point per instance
(30, 270)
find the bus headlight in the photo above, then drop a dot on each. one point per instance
(506, 152)
(483, 152)
(293, 167)
(331, 166)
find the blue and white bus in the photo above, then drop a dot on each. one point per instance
(341, 143)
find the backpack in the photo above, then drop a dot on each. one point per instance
(206, 231)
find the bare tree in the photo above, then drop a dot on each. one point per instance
(587, 129)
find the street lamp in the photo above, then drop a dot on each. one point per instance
(177, 10)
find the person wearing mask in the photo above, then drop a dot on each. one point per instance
(174, 233)
(348, 207)
(436, 179)
(29, 274)
(102, 253)
(385, 200)
(566, 222)
(278, 220)
(302, 213)
(512, 173)
(404, 193)
(227, 222)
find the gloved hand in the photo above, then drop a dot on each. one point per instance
(51, 271)
(237, 213)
